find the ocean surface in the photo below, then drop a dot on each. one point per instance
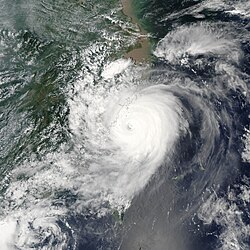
(102, 152)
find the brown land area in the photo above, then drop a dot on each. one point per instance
(140, 53)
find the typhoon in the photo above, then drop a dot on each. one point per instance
(99, 151)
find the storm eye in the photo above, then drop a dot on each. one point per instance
(129, 126)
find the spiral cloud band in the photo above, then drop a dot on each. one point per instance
(143, 126)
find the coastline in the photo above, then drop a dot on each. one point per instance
(139, 54)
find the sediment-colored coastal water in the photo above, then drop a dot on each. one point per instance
(141, 52)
